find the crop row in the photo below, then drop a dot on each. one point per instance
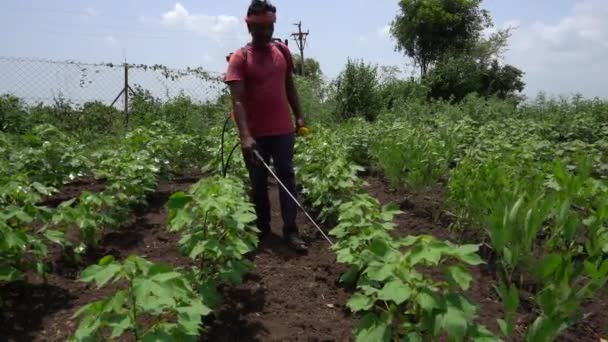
(129, 173)
(394, 297)
(214, 220)
(537, 197)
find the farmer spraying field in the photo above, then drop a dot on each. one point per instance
(262, 87)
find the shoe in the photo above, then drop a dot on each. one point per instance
(264, 232)
(295, 242)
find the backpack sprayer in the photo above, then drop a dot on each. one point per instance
(302, 131)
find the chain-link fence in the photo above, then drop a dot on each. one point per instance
(46, 81)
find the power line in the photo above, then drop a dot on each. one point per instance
(105, 34)
(137, 34)
(119, 30)
(118, 34)
(65, 11)
(127, 29)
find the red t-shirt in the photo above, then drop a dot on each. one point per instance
(266, 100)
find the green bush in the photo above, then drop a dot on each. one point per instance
(181, 111)
(395, 92)
(97, 116)
(13, 116)
(314, 100)
(458, 76)
(411, 157)
(357, 91)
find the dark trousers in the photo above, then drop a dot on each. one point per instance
(280, 149)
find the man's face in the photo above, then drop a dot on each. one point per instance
(262, 33)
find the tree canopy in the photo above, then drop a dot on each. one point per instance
(312, 67)
(427, 30)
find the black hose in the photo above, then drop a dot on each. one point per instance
(224, 164)
(229, 158)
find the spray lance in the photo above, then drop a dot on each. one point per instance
(302, 132)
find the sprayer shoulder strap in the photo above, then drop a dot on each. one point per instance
(244, 50)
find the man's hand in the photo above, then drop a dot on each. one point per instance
(248, 146)
(300, 123)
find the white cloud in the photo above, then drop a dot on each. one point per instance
(384, 32)
(207, 58)
(568, 56)
(89, 13)
(111, 40)
(217, 28)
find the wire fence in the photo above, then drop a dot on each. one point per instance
(46, 81)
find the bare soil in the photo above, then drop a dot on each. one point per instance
(289, 297)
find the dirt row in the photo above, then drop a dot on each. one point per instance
(288, 297)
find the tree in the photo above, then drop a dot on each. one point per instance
(312, 68)
(427, 30)
(456, 77)
(492, 47)
(357, 91)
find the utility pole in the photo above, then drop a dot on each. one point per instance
(300, 38)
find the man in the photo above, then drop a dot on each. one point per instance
(262, 87)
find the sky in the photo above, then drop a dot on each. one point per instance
(561, 45)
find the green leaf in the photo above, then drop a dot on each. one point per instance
(454, 322)
(548, 265)
(482, 334)
(413, 337)
(512, 300)
(360, 302)
(105, 261)
(190, 317)
(503, 327)
(431, 255)
(545, 329)
(351, 276)
(379, 247)
(380, 271)
(547, 301)
(87, 329)
(211, 295)
(120, 324)
(157, 335)
(515, 210)
(374, 328)
(395, 291)
(468, 254)
(152, 296)
(179, 200)
(101, 275)
(22, 216)
(9, 274)
(56, 237)
(245, 217)
(460, 277)
(426, 300)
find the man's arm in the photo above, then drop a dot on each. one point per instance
(294, 100)
(237, 90)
